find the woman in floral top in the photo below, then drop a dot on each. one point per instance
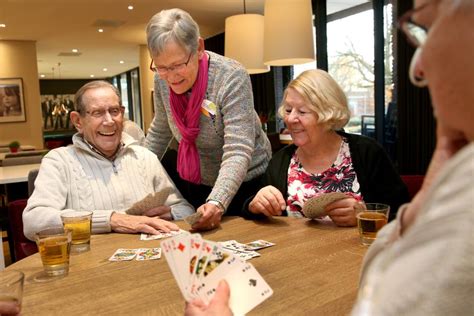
(323, 159)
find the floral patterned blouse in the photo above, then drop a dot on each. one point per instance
(302, 185)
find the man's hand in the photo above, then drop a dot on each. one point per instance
(163, 212)
(342, 212)
(211, 217)
(219, 305)
(268, 201)
(124, 223)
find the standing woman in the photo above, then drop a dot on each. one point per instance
(205, 102)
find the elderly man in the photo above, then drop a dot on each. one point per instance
(104, 171)
(422, 263)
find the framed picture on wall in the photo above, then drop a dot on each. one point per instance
(55, 111)
(12, 101)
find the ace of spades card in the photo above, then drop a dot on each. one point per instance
(247, 287)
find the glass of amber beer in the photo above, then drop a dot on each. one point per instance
(371, 217)
(54, 245)
(11, 288)
(80, 224)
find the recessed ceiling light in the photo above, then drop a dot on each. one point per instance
(74, 50)
(105, 69)
(121, 62)
(92, 76)
(42, 76)
(130, 7)
(3, 25)
(100, 30)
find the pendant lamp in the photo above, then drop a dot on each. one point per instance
(244, 41)
(289, 36)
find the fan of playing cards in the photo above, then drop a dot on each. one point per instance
(199, 265)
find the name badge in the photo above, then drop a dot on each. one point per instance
(208, 108)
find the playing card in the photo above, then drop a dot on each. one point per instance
(193, 218)
(314, 207)
(148, 254)
(242, 255)
(148, 202)
(123, 254)
(239, 250)
(161, 235)
(176, 251)
(247, 287)
(234, 245)
(259, 244)
(207, 248)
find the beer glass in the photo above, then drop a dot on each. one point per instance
(371, 217)
(54, 246)
(80, 224)
(11, 288)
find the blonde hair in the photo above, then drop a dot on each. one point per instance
(325, 97)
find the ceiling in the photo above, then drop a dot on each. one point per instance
(59, 26)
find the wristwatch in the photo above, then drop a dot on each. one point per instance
(218, 204)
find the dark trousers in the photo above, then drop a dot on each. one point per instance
(196, 194)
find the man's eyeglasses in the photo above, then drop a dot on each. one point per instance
(415, 33)
(162, 70)
(113, 111)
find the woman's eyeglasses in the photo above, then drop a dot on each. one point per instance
(162, 70)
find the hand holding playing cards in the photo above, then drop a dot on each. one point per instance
(218, 306)
(163, 212)
(124, 223)
(342, 212)
(268, 201)
(211, 217)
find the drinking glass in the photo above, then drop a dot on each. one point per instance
(54, 245)
(80, 224)
(371, 217)
(11, 289)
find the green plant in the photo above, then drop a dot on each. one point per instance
(14, 144)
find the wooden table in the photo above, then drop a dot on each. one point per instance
(313, 269)
(15, 174)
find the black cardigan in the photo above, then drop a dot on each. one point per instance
(378, 179)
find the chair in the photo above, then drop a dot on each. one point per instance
(21, 246)
(413, 183)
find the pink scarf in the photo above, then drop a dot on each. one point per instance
(186, 114)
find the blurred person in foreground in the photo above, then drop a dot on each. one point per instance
(323, 158)
(104, 171)
(204, 101)
(422, 263)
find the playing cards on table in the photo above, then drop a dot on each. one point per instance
(198, 265)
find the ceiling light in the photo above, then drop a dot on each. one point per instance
(92, 76)
(100, 30)
(74, 50)
(42, 76)
(121, 62)
(130, 7)
(289, 36)
(3, 25)
(244, 41)
(105, 69)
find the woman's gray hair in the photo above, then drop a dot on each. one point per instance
(172, 25)
(325, 98)
(80, 106)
